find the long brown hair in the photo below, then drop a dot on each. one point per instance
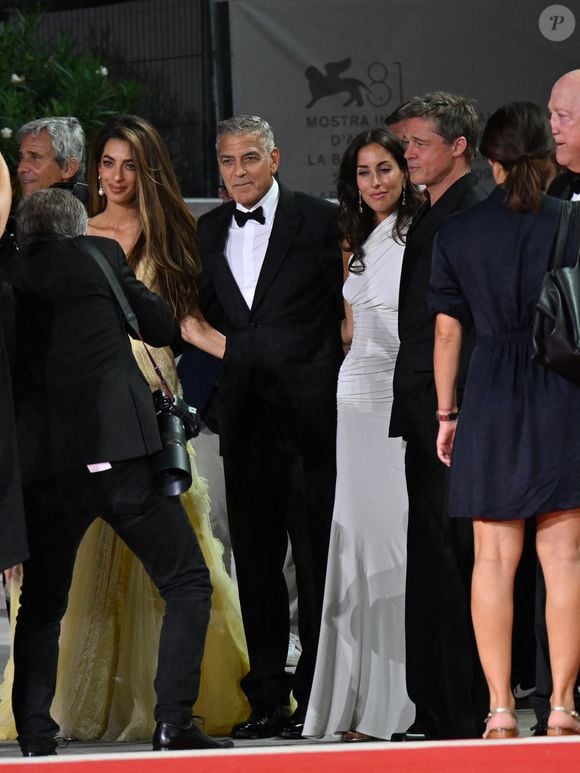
(168, 233)
(355, 226)
(519, 137)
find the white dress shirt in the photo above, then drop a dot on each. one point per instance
(246, 245)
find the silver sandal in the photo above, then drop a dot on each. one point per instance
(501, 732)
(557, 729)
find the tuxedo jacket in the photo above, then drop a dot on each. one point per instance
(284, 352)
(414, 380)
(80, 396)
(560, 187)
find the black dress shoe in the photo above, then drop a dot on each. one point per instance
(294, 726)
(263, 722)
(408, 736)
(37, 752)
(168, 737)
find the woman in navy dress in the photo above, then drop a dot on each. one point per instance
(515, 451)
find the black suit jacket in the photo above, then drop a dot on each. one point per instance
(413, 380)
(284, 352)
(80, 396)
(13, 545)
(560, 187)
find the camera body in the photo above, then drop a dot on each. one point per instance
(178, 422)
(178, 407)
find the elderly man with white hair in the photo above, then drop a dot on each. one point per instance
(564, 107)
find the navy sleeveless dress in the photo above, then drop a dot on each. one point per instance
(517, 447)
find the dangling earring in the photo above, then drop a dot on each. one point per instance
(360, 202)
(404, 195)
(100, 190)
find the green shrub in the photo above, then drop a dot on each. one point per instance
(40, 78)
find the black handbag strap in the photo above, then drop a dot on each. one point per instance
(567, 216)
(91, 249)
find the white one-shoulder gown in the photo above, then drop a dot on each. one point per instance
(359, 680)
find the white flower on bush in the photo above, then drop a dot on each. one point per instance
(6, 133)
(17, 78)
(102, 71)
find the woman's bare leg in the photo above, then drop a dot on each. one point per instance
(558, 546)
(498, 549)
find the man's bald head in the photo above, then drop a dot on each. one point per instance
(564, 107)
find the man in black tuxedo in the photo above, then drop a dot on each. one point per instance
(271, 282)
(86, 427)
(444, 677)
(564, 107)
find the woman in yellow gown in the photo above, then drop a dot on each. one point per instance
(110, 633)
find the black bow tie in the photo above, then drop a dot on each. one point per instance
(242, 218)
(574, 181)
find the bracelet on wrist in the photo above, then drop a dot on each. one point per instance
(447, 415)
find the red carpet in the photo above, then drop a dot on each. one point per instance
(530, 755)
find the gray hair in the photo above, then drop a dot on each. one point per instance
(248, 124)
(50, 212)
(453, 116)
(67, 137)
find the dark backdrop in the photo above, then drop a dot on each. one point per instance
(178, 50)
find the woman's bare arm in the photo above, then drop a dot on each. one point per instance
(5, 194)
(195, 330)
(448, 336)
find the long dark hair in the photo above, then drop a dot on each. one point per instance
(519, 137)
(354, 226)
(168, 234)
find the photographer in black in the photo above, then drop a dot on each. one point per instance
(87, 426)
(13, 547)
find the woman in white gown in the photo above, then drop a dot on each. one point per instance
(359, 686)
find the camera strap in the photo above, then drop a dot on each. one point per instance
(91, 249)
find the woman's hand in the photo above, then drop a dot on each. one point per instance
(195, 330)
(448, 335)
(445, 438)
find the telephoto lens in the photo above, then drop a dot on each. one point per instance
(170, 467)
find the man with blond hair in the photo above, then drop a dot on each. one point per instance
(444, 677)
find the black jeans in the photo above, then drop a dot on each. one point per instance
(156, 528)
